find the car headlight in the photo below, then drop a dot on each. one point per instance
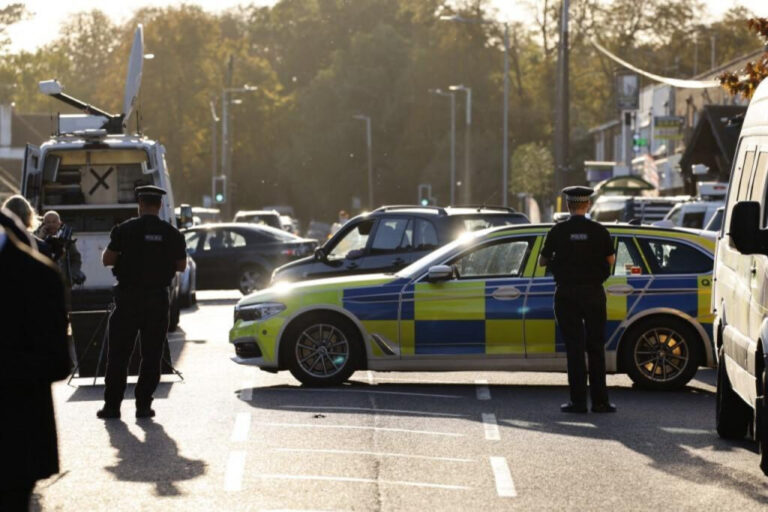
(260, 311)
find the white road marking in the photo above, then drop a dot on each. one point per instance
(483, 392)
(370, 377)
(246, 393)
(491, 427)
(505, 486)
(371, 409)
(309, 390)
(233, 480)
(679, 430)
(373, 454)
(359, 427)
(577, 424)
(364, 481)
(242, 425)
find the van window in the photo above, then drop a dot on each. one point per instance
(758, 184)
(745, 176)
(740, 171)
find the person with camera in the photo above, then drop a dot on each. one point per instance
(58, 236)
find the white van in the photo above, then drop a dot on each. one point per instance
(740, 290)
(88, 171)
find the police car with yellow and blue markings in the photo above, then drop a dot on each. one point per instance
(482, 302)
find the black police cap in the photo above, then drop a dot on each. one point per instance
(149, 191)
(578, 194)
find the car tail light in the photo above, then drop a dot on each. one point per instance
(288, 252)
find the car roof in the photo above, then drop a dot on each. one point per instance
(444, 211)
(248, 226)
(257, 212)
(697, 236)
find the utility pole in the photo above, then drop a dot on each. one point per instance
(505, 123)
(214, 136)
(452, 96)
(369, 147)
(561, 104)
(467, 142)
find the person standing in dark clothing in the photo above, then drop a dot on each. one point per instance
(580, 254)
(145, 253)
(34, 354)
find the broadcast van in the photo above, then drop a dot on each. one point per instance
(87, 171)
(740, 289)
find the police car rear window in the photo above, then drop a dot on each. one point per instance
(671, 257)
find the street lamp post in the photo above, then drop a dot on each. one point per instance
(505, 106)
(451, 95)
(369, 146)
(467, 142)
(226, 164)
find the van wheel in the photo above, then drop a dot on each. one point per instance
(732, 414)
(761, 416)
(322, 350)
(661, 353)
(174, 316)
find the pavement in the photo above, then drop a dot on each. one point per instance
(230, 437)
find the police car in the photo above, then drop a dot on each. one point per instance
(482, 302)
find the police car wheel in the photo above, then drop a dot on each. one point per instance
(732, 414)
(661, 353)
(322, 350)
(250, 280)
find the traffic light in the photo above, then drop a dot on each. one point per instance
(219, 189)
(425, 195)
(638, 142)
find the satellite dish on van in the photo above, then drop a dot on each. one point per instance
(133, 77)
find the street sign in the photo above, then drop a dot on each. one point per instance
(668, 127)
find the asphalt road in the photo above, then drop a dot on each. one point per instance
(233, 438)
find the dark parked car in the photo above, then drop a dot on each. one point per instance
(241, 256)
(392, 237)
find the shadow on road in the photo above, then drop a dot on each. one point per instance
(666, 427)
(155, 460)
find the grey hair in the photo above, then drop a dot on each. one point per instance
(23, 210)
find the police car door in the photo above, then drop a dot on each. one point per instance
(480, 310)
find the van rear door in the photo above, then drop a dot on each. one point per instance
(30, 174)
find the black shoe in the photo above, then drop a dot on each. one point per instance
(604, 407)
(145, 412)
(107, 413)
(573, 407)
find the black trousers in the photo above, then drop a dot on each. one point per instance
(16, 498)
(580, 312)
(136, 312)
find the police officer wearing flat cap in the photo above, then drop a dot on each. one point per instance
(146, 252)
(579, 253)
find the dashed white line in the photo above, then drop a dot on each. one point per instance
(233, 479)
(246, 393)
(373, 454)
(242, 425)
(363, 481)
(483, 392)
(505, 486)
(403, 393)
(370, 377)
(371, 409)
(359, 427)
(491, 427)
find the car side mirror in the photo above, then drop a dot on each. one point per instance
(320, 254)
(438, 273)
(745, 231)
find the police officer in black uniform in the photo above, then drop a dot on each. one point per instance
(580, 254)
(146, 253)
